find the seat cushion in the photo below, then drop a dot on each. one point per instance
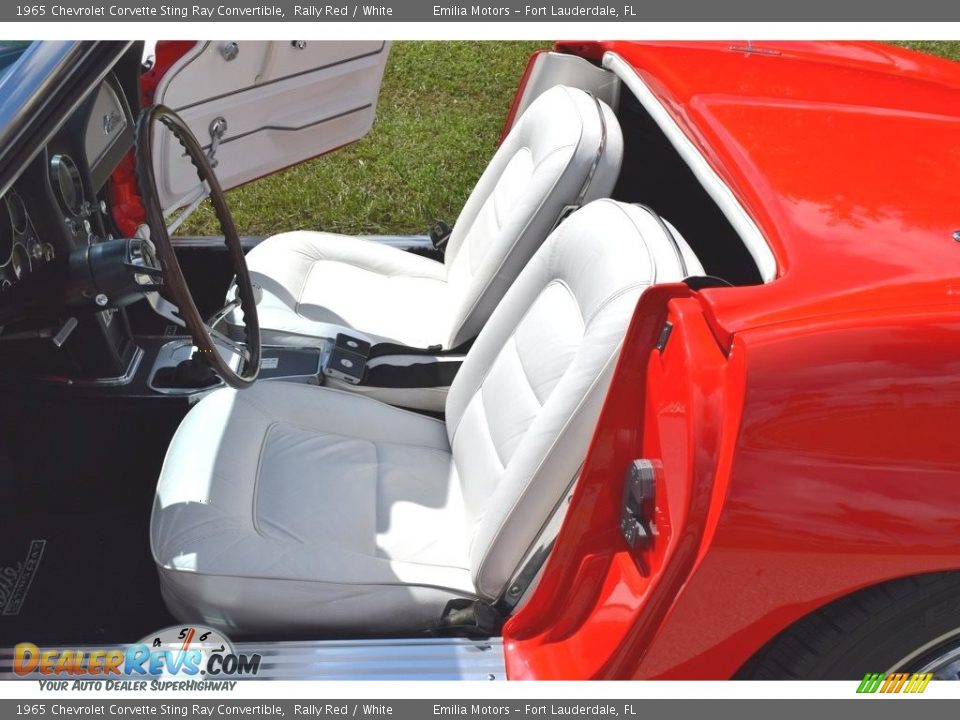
(318, 284)
(288, 507)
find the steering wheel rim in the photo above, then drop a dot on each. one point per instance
(173, 279)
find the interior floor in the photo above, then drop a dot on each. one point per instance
(77, 480)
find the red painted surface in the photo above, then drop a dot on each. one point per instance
(514, 106)
(843, 153)
(805, 429)
(125, 203)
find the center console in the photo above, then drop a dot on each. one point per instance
(302, 365)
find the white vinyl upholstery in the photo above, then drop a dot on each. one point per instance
(566, 147)
(288, 507)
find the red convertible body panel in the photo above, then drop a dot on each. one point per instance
(845, 154)
(804, 429)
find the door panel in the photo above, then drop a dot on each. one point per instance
(282, 102)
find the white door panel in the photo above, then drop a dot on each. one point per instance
(282, 105)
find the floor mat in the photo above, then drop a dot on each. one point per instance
(77, 579)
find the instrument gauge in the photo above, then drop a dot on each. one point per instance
(66, 183)
(20, 261)
(6, 233)
(18, 213)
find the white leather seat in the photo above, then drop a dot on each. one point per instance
(294, 508)
(565, 150)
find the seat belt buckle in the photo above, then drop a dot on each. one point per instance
(439, 234)
(348, 359)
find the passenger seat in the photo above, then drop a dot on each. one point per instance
(563, 152)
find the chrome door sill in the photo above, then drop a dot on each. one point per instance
(402, 659)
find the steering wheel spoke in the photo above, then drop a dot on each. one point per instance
(181, 307)
(221, 314)
(237, 346)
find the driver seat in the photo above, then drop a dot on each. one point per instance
(564, 151)
(289, 508)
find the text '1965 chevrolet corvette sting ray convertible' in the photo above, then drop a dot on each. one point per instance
(676, 395)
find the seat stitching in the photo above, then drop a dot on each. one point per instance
(321, 431)
(486, 425)
(513, 336)
(510, 251)
(483, 378)
(536, 213)
(543, 460)
(323, 389)
(523, 370)
(376, 498)
(303, 285)
(378, 273)
(256, 479)
(458, 591)
(613, 296)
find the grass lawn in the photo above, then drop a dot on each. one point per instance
(434, 134)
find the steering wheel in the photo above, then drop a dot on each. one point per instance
(203, 333)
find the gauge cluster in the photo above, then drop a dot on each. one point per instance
(66, 182)
(53, 219)
(56, 204)
(21, 250)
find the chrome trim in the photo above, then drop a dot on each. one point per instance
(214, 242)
(33, 83)
(420, 242)
(124, 379)
(581, 196)
(166, 357)
(14, 197)
(944, 666)
(527, 574)
(668, 231)
(718, 190)
(571, 208)
(411, 659)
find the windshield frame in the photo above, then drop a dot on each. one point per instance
(40, 90)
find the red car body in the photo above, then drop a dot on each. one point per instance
(805, 429)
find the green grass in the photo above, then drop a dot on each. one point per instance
(434, 134)
(949, 49)
(439, 117)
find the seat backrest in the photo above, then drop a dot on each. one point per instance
(523, 406)
(567, 146)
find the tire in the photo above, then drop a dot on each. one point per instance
(902, 625)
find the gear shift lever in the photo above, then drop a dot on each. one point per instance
(194, 372)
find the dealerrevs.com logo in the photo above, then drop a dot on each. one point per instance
(201, 657)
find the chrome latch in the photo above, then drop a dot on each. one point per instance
(636, 514)
(229, 51)
(218, 128)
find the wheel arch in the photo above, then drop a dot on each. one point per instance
(834, 617)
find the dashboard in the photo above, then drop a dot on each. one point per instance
(59, 204)
(56, 205)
